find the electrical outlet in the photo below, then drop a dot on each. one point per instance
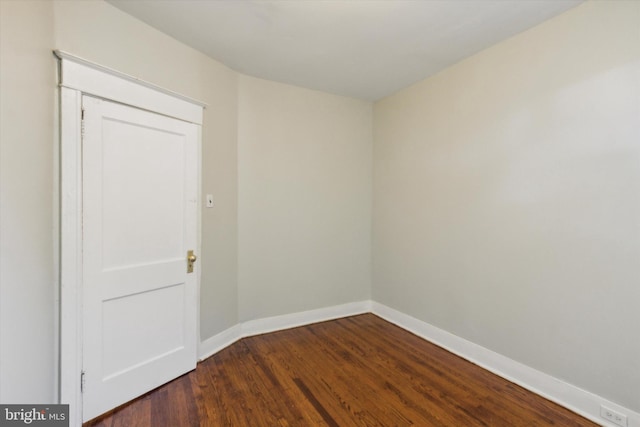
(613, 416)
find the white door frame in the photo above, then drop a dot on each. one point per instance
(78, 77)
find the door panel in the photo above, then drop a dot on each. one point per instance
(139, 220)
(130, 171)
(159, 332)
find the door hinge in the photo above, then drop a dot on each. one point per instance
(82, 123)
(82, 381)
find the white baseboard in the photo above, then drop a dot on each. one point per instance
(277, 323)
(571, 397)
(212, 345)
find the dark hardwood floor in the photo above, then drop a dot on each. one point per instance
(356, 371)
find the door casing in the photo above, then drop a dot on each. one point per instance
(78, 77)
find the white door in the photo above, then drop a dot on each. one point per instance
(139, 220)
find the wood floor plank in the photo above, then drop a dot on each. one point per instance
(355, 371)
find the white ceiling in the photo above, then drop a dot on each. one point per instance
(366, 49)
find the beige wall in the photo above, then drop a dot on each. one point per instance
(507, 199)
(99, 32)
(27, 284)
(304, 199)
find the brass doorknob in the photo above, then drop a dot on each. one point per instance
(191, 258)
